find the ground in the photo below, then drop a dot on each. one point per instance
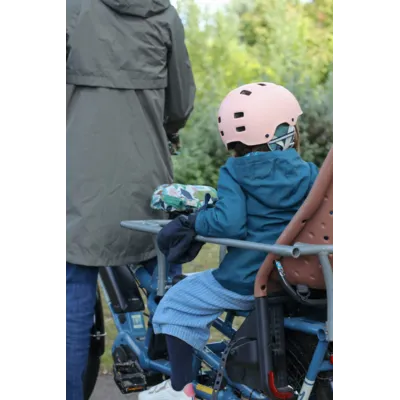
(107, 390)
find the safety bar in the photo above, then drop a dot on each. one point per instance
(299, 249)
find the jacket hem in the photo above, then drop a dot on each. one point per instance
(112, 262)
(241, 289)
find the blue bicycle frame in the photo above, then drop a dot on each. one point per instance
(133, 332)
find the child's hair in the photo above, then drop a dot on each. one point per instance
(240, 149)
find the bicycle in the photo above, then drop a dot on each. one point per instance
(283, 349)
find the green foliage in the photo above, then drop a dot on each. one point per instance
(202, 153)
(284, 41)
(316, 124)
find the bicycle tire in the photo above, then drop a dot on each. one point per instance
(91, 374)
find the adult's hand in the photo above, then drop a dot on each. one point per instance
(174, 143)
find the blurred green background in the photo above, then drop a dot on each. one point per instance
(289, 42)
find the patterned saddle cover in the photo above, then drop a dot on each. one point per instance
(181, 198)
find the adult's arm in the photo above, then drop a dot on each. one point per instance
(181, 89)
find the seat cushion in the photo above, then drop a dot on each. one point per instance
(181, 198)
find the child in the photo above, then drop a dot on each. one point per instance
(260, 189)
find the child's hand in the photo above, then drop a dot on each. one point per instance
(176, 240)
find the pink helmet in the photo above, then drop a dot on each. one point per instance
(251, 113)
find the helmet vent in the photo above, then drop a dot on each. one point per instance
(246, 92)
(240, 129)
(261, 84)
(219, 119)
(238, 115)
(222, 133)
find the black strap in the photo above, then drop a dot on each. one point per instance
(221, 369)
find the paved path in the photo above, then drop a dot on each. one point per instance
(107, 390)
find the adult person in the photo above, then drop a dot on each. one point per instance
(130, 89)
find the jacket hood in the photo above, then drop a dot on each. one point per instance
(276, 179)
(139, 8)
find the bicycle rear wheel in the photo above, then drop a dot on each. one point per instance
(299, 351)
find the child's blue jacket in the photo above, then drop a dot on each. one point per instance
(258, 196)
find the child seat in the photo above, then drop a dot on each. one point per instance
(312, 224)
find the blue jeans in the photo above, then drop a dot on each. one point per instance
(81, 301)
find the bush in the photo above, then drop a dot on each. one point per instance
(316, 124)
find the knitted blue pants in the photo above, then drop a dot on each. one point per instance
(189, 308)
